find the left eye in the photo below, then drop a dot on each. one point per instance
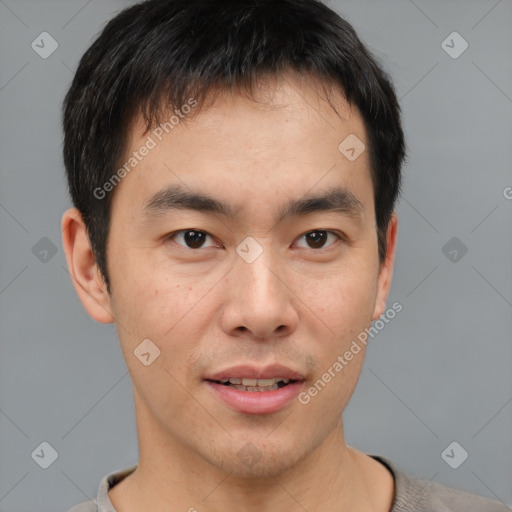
(194, 239)
(318, 237)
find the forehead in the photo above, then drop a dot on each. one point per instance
(285, 139)
(287, 101)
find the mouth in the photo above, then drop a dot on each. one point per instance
(255, 390)
(255, 385)
(255, 396)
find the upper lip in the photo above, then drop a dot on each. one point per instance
(252, 372)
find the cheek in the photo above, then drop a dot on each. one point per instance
(150, 296)
(154, 306)
(172, 309)
(343, 300)
(343, 305)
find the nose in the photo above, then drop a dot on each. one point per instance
(260, 301)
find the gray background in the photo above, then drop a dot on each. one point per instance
(439, 372)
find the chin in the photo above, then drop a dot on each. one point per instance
(252, 460)
(266, 467)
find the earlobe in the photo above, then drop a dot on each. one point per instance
(86, 277)
(386, 268)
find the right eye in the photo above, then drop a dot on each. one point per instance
(193, 238)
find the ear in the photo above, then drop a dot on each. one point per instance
(87, 279)
(386, 268)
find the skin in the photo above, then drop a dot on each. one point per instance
(208, 309)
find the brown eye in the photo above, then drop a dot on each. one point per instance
(316, 239)
(192, 238)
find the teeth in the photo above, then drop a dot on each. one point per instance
(254, 382)
(256, 388)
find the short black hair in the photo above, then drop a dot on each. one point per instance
(161, 53)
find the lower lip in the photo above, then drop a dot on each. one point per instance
(256, 402)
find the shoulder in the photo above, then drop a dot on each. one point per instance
(413, 494)
(102, 502)
(421, 494)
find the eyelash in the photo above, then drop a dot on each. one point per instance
(338, 235)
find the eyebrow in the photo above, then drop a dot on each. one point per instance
(176, 197)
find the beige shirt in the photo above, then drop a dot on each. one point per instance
(412, 494)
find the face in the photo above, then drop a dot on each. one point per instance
(248, 286)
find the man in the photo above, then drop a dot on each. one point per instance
(234, 166)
